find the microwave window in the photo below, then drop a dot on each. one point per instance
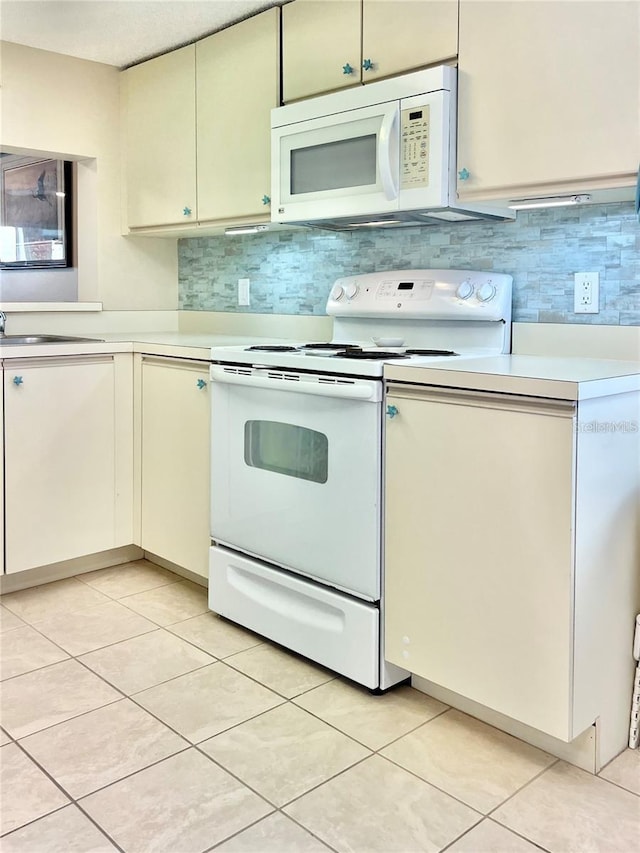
(334, 165)
(287, 449)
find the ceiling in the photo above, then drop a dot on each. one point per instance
(118, 32)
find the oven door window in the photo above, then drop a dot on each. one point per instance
(287, 449)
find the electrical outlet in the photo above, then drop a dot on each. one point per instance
(586, 292)
(244, 297)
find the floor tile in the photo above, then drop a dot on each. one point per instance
(280, 670)
(215, 635)
(4, 737)
(491, 767)
(185, 804)
(26, 792)
(51, 695)
(129, 578)
(145, 661)
(373, 720)
(284, 753)
(64, 831)
(567, 810)
(490, 837)
(624, 770)
(9, 621)
(165, 605)
(23, 650)
(376, 806)
(52, 599)
(204, 703)
(274, 834)
(94, 627)
(98, 748)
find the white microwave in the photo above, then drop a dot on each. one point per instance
(379, 154)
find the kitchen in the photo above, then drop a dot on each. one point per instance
(142, 281)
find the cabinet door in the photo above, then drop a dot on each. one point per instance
(548, 96)
(160, 144)
(401, 35)
(237, 86)
(60, 460)
(175, 462)
(319, 41)
(479, 539)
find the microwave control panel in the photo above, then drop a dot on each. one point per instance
(414, 132)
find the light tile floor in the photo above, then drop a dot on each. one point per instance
(133, 719)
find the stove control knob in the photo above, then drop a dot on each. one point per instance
(465, 290)
(486, 292)
(351, 290)
(337, 292)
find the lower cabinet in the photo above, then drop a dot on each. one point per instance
(174, 460)
(68, 451)
(511, 548)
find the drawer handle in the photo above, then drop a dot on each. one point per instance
(201, 384)
(18, 380)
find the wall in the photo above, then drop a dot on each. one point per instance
(292, 272)
(54, 103)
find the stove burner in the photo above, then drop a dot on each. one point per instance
(271, 348)
(369, 355)
(430, 352)
(328, 346)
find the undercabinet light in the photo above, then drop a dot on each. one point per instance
(246, 229)
(375, 223)
(551, 201)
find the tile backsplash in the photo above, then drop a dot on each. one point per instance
(291, 272)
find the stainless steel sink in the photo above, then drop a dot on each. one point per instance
(43, 339)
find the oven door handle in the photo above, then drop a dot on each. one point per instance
(368, 391)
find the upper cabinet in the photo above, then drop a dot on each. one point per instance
(197, 125)
(328, 46)
(549, 97)
(159, 101)
(237, 85)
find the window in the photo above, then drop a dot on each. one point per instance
(35, 212)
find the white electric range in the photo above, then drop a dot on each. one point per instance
(296, 467)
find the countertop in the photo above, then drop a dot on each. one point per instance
(174, 344)
(537, 376)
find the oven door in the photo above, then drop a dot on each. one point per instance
(296, 472)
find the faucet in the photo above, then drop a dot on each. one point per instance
(3, 320)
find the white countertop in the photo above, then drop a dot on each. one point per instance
(175, 344)
(538, 376)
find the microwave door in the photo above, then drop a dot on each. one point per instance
(340, 165)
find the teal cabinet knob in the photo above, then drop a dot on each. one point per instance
(266, 199)
(392, 411)
(18, 380)
(201, 384)
(367, 65)
(186, 211)
(347, 69)
(464, 174)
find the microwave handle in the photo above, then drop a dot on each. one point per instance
(389, 184)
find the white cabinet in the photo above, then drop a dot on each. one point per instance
(549, 97)
(174, 461)
(159, 105)
(68, 451)
(511, 553)
(197, 130)
(328, 46)
(238, 84)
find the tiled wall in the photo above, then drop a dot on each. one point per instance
(292, 272)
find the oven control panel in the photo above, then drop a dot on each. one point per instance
(432, 294)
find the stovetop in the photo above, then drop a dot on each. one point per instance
(416, 316)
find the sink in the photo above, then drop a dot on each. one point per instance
(43, 339)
